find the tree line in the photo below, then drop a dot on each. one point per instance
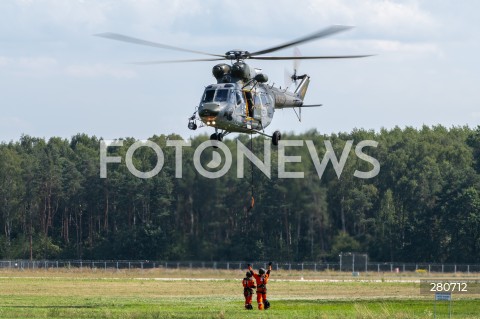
(423, 206)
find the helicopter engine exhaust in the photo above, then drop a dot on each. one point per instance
(239, 71)
(220, 70)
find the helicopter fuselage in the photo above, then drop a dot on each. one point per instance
(239, 102)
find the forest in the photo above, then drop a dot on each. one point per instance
(423, 206)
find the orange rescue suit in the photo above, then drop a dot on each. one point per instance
(248, 286)
(262, 281)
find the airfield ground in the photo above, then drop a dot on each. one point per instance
(206, 293)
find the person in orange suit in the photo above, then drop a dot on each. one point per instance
(248, 286)
(262, 279)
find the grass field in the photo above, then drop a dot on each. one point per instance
(158, 293)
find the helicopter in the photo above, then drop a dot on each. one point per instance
(241, 100)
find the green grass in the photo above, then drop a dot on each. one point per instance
(48, 307)
(71, 294)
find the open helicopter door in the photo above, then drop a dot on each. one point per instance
(249, 103)
(253, 105)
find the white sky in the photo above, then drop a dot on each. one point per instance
(56, 79)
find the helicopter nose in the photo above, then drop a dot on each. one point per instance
(209, 109)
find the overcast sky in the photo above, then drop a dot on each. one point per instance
(57, 79)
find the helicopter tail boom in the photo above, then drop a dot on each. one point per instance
(286, 99)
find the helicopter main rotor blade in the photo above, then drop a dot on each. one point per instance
(309, 57)
(176, 61)
(316, 35)
(125, 38)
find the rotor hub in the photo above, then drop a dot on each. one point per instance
(237, 55)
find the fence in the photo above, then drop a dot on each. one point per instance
(241, 265)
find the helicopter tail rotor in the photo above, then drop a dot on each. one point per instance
(290, 77)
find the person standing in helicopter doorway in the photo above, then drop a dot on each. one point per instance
(248, 287)
(262, 279)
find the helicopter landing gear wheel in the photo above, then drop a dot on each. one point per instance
(216, 137)
(277, 136)
(192, 126)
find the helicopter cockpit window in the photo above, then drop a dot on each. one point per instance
(220, 95)
(208, 96)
